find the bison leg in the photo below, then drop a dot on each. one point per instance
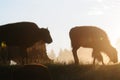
(24, 56)
(97, 56)
(103, 63)
(75, 56)
(4, 56)
(94, 60)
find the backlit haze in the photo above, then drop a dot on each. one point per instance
(61, 15)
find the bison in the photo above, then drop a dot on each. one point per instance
(23, 35)
(92, 37)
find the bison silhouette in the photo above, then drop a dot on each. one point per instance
(92, 37)
(23, 35)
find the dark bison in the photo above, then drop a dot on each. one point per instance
(23, 35)
(92, 37)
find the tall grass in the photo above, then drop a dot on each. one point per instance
(73, 72)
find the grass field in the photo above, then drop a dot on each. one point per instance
(73, 72)
(84, 72)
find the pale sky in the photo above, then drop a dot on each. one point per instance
(61, 15)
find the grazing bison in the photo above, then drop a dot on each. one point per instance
(92, 37)
(23, 35)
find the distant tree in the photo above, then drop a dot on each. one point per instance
(52, 54)
(65, 56)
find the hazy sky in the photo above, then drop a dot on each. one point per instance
(61, 15)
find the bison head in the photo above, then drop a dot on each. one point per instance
(112, 54)
(45, 35)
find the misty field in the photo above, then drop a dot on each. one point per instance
(84, 72)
